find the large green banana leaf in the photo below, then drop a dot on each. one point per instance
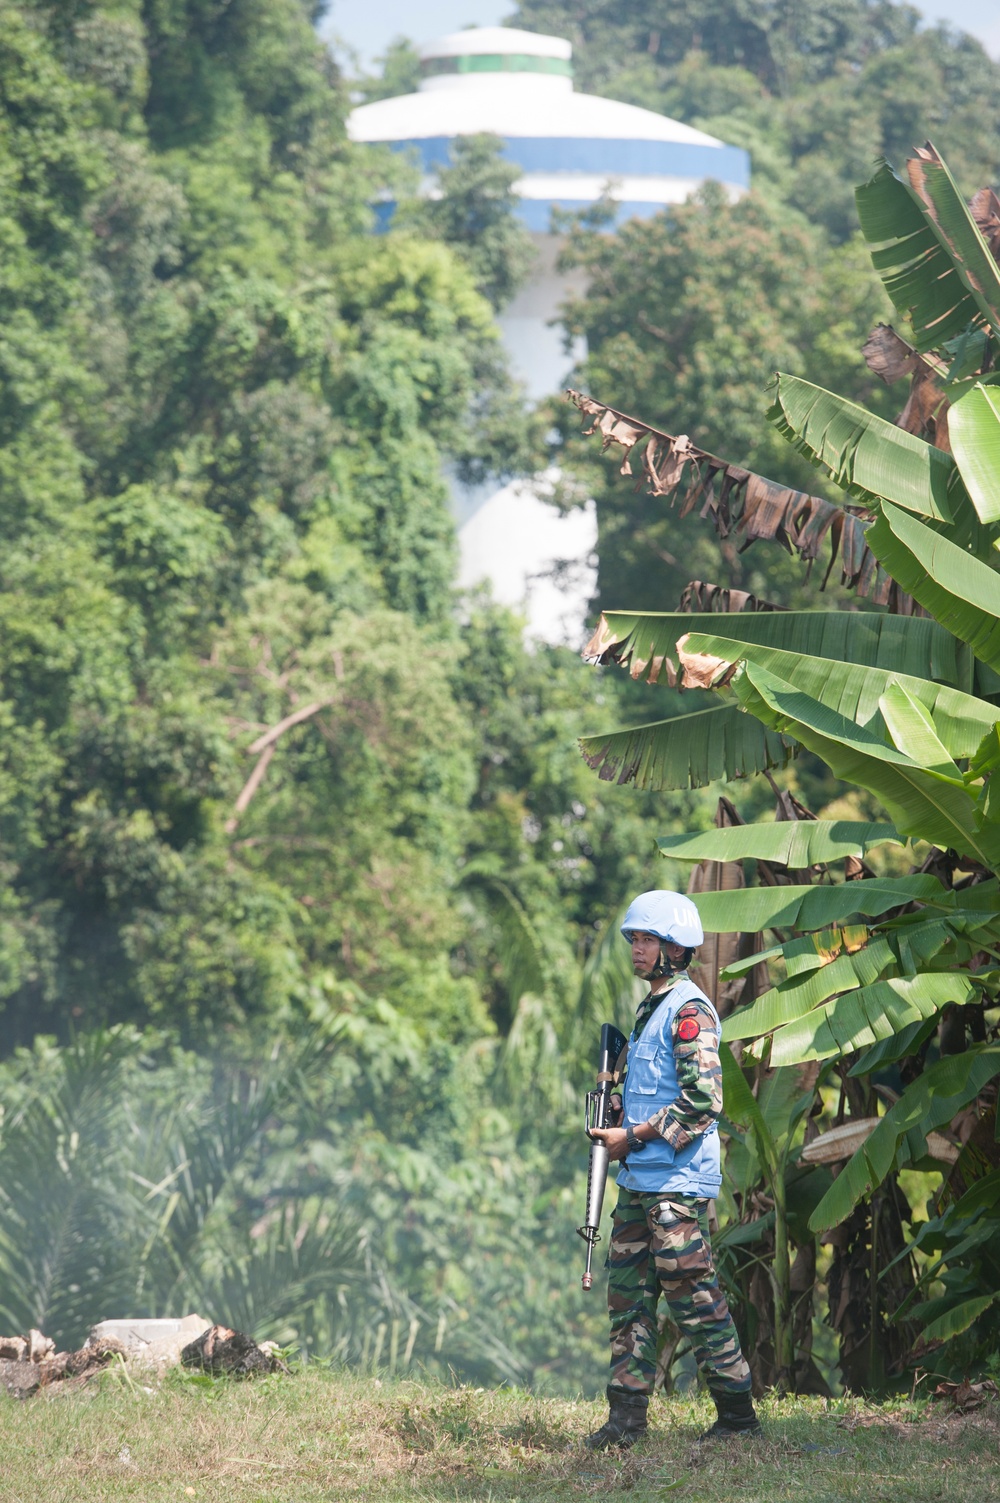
(900, 644)
(958, 1318)
(960, 592)
(922, 803)
(870, 458)
(796, 843)
(739, 1102)
(986, 765)
(929, 1102)
(952, 1237)
(737, 968)
(957, 231)
(889, 1051)
(917, 261)
(971, 924)
(821, 965)
(750, 909)
(687, 751)
(867, 1014)
(744, 1110)
(960, 720)
(912, 730)
(974, 431)
(807, 952)
(799, 995)
(810, 952)
(985, 680)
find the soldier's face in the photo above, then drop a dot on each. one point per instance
(645, 952)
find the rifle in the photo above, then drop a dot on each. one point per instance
(597, 1113)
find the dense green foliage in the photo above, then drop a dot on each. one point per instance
(688, 316)
(260, 783)
(475, 214)
(225, 410)
(816, 90)
(266, 792)
(893, 984)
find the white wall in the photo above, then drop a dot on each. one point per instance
(535, 343)
(537, 559)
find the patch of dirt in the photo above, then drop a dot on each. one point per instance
(942, 1422)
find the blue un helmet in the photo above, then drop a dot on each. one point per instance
(670, 916)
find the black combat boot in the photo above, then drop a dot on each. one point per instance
(626, 1422)
(736, 1416)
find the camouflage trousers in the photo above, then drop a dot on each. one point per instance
(660, 1245)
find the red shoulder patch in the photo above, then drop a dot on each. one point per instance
(688, 1029)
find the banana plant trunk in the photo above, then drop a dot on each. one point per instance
(781, 1280)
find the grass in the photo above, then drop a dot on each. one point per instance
(326, 1436)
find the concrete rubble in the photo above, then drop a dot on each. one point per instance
(153, 1344)
(221, 1351)
(30, 1363)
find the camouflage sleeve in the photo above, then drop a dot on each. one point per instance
(699, 1075)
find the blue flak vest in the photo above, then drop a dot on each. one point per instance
(650, 1084)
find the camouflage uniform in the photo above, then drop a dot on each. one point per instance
(660, 1240)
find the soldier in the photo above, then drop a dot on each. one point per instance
(668, 1142)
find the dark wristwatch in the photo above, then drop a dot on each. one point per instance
(633, 1140)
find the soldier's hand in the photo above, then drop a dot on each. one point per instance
(614, 1140)
(615, 1112)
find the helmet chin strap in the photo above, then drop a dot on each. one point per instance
(665, 966)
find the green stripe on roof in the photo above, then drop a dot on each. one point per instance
(496, 62)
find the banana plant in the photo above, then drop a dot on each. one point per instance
(905, 704)
(769, 1120)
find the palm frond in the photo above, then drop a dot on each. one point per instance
(914, 229)
(857, 692)
(688, 751)
(519, 949)
(871, 459)
(71, 1227)
(301, 1272)
(645, 642)
(929, 1102)
(609, 991)
(795, 843)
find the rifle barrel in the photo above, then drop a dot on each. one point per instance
(597, 1115)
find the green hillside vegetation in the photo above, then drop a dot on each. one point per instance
(687, 317)
(268, 802)
(308, 901)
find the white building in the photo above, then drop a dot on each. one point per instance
(573, 149)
